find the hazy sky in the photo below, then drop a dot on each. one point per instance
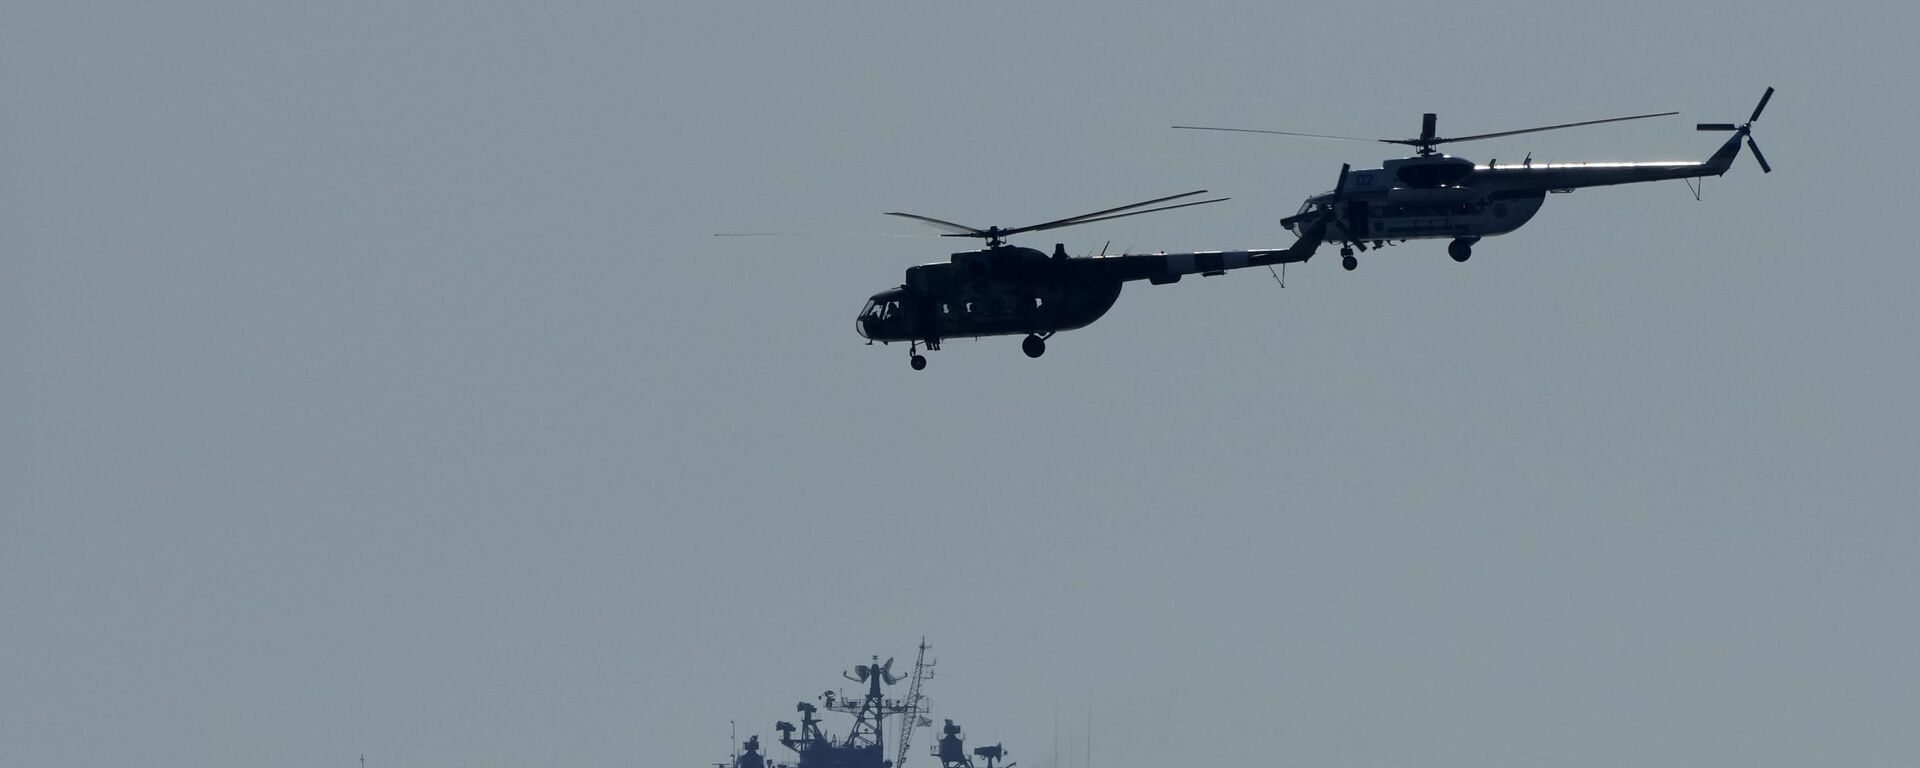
(372, 384)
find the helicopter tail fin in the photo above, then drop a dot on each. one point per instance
(1722, 158)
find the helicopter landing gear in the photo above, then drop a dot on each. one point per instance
(1347, 260)
(918, 362)
(1034, 345)
(915, 359)
(1461, 248)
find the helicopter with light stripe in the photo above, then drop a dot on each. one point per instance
(1432, 195)
(1009, 290)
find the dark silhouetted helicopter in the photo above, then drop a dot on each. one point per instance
(1431, 195)
(1008, 290)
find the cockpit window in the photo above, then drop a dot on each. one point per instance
(882, 310)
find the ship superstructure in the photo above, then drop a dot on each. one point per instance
(865, 744)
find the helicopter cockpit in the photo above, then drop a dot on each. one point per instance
(884, 316)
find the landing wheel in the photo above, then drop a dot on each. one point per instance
(1460, 250)
(1350, 263)
(918, 362)
(1034, 346)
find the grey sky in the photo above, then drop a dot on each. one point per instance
(373, 385)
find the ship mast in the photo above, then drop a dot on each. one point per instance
(870, 712)
(914, 711)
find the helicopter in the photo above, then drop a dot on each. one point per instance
(1433, 195)
(1010, 290)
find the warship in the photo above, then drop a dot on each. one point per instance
(865, 744)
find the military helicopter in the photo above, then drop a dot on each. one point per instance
(1432, 195)
(1009, 290)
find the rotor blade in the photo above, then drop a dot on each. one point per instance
(1764, 168)
(1077, 222)
(1716, 127)
(962, 229)
(820, 234)
(1762, 105)
(1276, 133)
(1089, 216)
(1545, 128)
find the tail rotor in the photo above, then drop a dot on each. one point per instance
(1745, 130)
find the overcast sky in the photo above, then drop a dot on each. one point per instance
(373, 385)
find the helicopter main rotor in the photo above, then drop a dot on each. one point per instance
(1427, 140)
(996, 236)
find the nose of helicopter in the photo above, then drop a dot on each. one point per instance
(863, 323)
(1297, 223)
(880, 315)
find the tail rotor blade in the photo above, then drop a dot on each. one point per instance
(1764, 168)
(1762, 105)
(1716, 127)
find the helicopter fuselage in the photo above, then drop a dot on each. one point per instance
(1009, 290)
(1439, 196)
(1005, 290)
